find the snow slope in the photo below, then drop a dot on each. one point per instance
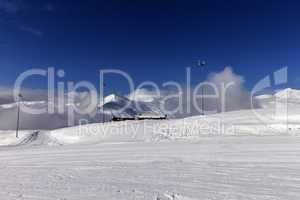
(215, 168)
(237, 123)
(275, 118)
(240, 155)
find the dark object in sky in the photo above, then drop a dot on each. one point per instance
(202, 63)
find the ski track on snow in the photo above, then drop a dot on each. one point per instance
(216, 168)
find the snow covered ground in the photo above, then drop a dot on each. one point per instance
(240, 155)
(120, 163)
(247, 167)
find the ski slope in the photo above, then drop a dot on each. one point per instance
(248, 167)
(240, 155)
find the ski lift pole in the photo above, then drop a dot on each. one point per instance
(203, 99)
(103, 117)
(202, 64)
(18, 115)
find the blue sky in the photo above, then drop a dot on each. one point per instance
(151, 40)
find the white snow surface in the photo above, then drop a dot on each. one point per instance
(240, 155)
(248, 167)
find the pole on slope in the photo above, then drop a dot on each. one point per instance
(103, 117)
(287, 111)
(18, 115)
(202, 64)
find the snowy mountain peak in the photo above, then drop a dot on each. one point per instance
(115, 98)
(125, 107)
